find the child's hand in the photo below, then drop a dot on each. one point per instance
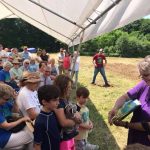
(77, 118)
(91, 125)
(26, 119)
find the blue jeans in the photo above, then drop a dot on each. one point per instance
(102, 72)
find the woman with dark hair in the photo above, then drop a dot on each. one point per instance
(65, 85)
(44, 56)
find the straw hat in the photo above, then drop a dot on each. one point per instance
(7, 64)
(15, 61)
(29, 77)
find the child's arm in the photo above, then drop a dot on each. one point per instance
(91, 124)
(85, 126)
(37, 146)
(64, 122)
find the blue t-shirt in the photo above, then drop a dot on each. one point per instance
(46, 131)
(5, 76)
(6, 109)
(33, 67)
(4, 134)
(25, 55)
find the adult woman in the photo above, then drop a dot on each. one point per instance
(141, 92)
(44, 56)
(7, 138)
(27, 99)
(65, 83)
(25, 66)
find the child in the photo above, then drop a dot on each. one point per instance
(65, 85)
(81, 143)
(46, 131)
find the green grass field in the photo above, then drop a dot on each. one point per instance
(122, 74)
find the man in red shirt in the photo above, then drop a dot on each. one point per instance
(99, 61)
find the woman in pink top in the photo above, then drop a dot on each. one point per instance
(66, 63)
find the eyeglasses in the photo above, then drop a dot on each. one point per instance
(27, 63)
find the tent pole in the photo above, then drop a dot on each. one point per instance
(98, 17)
(78, 50)
(74, 23)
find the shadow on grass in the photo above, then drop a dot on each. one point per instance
(100, 135)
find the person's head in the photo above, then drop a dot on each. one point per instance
(31, 80)
(7, 65)
(144, 70)
(52, 61)
(32, 61)
(49, 96)
(16, 63)
(42, 65)
(43, 52)
(67, 53)
(22, 82)
(15, 50)
(26, 63)
(39, 52)
(147, 58)
(82, 95)
(6, 49)
(101, 51)
(6, 92)
(76, 53)
(61, 50)
(25, 48)
(65, 85)
(47, 71)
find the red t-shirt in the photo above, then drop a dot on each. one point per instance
(66, 62)
(98, 58)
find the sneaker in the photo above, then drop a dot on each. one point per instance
(93, 83)
(106, 85)
(91, 147)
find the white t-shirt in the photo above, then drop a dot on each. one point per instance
(77, 64)
(28, 99)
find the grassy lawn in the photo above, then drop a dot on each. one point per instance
(122, 75)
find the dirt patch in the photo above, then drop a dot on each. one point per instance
(126, 71)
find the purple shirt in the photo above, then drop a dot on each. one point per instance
(141, 92)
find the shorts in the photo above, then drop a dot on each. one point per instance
(80, 144)
(67, 145)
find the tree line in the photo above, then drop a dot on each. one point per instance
(17, 33)
(132, 40)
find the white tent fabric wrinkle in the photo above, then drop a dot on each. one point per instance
(66, 19)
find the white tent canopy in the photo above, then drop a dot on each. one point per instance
(67, 19)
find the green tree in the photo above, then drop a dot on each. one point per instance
(16, 33)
